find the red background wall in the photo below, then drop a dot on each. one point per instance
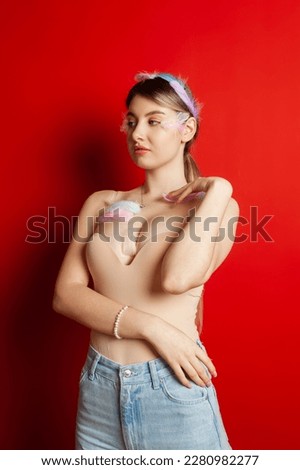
(67, 68)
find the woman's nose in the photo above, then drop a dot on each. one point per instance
(138, 132)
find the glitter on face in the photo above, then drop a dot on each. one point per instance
(178, 123)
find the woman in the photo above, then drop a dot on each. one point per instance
(147, 379)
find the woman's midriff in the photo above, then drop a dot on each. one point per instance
(129, 351)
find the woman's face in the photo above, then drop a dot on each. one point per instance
(154, 128)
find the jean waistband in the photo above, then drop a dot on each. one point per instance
(140, 372)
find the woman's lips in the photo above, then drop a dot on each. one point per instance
(140, 150)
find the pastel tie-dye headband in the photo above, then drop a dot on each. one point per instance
(177, 85)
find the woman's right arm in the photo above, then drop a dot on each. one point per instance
(74, 299)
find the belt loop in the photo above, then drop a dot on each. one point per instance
(154, 374)
(93, 366)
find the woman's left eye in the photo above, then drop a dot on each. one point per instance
(154, 122)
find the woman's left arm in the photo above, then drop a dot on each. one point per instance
(207, 236)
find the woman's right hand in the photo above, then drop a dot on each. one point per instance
(182, 353)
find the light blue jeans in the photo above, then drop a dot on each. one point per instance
(143, 406)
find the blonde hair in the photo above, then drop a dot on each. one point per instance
(161, 92)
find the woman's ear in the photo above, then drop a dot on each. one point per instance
(190, 128)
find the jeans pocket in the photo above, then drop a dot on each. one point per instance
(179, 393)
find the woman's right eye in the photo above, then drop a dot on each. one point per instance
(130, 124)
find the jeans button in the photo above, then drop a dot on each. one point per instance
(127, 373)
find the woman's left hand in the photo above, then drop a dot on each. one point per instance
(197, 185)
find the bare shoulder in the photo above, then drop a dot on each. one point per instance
(97, 200)
(89, 212)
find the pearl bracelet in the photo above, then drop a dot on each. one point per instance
(117, 319)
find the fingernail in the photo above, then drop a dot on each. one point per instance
(169, 198)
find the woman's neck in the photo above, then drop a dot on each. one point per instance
(155, 185)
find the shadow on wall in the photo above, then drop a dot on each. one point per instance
(48, 350)
(94, 157)
(88, 160)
